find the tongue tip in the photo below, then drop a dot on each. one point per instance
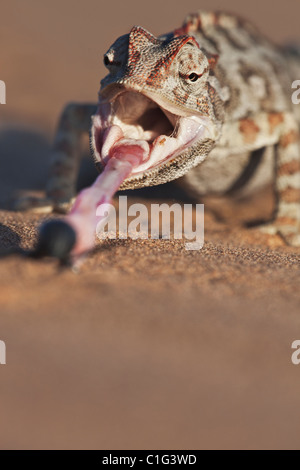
(130, 150)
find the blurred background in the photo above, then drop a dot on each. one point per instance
(150, 346)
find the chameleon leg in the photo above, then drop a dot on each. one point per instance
(61, 186)
(286, 219)
(75, 120)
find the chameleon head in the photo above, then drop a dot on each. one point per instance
(157, 94)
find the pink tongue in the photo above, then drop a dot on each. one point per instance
(82, 217)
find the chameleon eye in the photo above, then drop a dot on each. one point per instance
(193, 77)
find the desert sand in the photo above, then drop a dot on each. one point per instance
(149, 346)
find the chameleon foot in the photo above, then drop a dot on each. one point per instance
(290, 235)
(41, 205)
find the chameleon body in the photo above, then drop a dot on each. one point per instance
(210, 103)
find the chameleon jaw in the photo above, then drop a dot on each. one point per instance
(131, 118)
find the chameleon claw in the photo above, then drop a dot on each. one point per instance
(289, 236)
(32, 204)
(41, 205)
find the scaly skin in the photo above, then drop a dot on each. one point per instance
(219, 70)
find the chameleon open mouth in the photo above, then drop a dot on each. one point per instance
(130, 118)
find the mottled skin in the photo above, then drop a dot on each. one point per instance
(220, 68)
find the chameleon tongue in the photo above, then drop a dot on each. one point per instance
(124, 156)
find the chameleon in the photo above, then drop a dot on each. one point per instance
(208, 104)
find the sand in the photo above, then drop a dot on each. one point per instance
(149, 346)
